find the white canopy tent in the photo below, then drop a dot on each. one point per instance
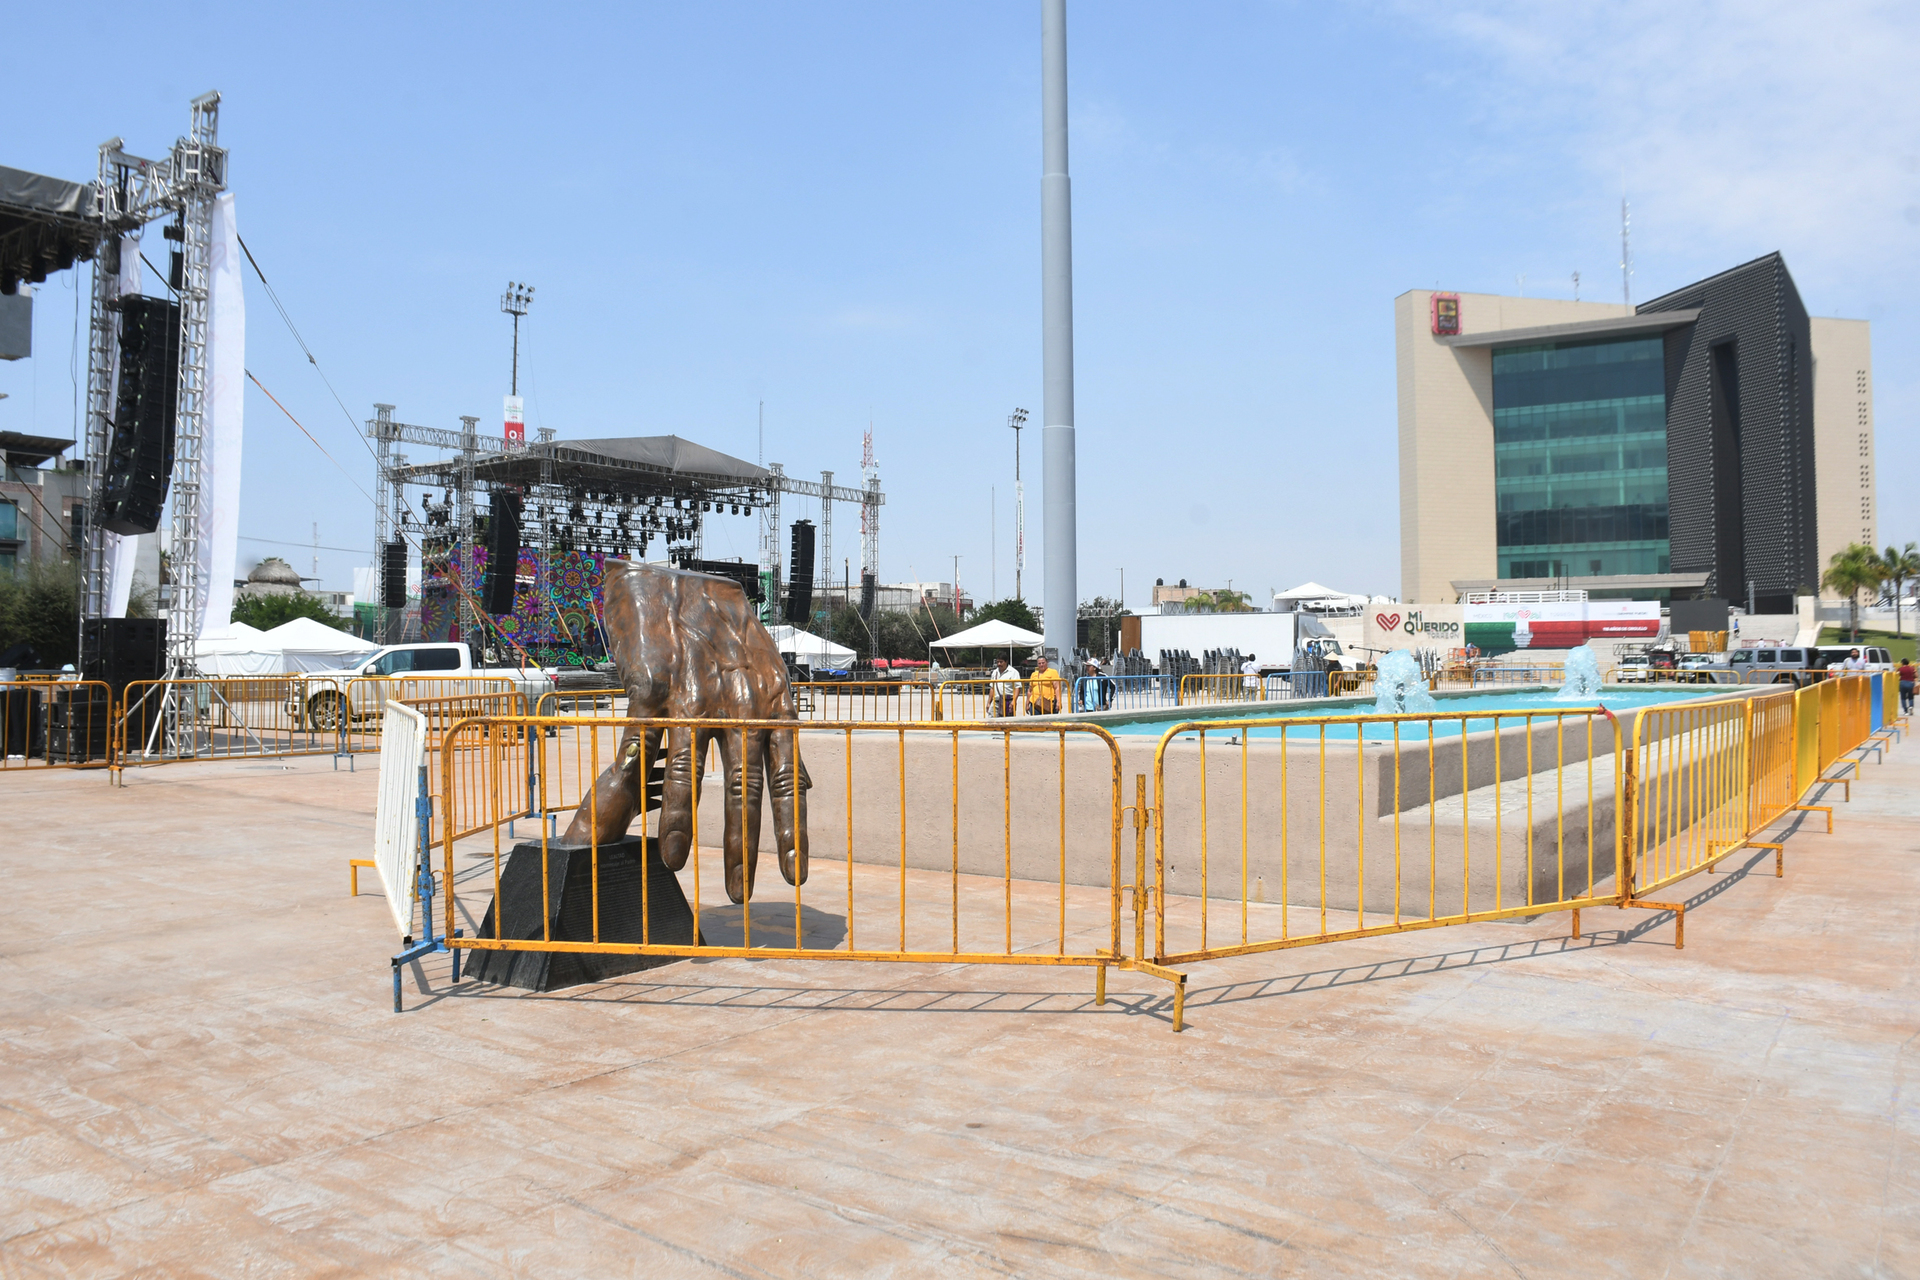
(813, 650)
(310, 645)
(992, 634)
(1312, 596)
(234, 650)
(300, 645)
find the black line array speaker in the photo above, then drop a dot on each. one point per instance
(121, 650)
(393, 575)
(747, 575)
(869, 593)
(503, 552)
(800, 575)
(140, 452)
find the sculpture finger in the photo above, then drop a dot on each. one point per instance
(678, 796)
(741, 752)
(786, 778)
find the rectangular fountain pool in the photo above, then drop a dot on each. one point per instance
(1453, 716)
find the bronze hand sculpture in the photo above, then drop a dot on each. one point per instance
(688, 646)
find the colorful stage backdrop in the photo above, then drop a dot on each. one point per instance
(556, 609)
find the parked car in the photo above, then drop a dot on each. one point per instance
(333, 699)
(1801, 666)
(1876, 658)
(1794, 666)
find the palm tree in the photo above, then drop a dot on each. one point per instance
(1900, 567)
(1853, 569)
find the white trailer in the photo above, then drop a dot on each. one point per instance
(1271, 637)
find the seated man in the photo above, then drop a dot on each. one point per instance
(1043, 689)
(1004, 690)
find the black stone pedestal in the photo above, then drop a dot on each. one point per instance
(623, 863)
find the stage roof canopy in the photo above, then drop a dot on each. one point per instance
(659, 464)
(46, 225)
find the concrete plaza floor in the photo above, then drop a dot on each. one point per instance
(200, 1074)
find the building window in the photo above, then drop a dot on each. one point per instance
(9, 521)
(1580, 458)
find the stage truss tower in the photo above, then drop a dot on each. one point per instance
(130, 193)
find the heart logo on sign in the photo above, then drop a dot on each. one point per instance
(1387, 621)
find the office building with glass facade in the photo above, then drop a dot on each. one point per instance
(1712, 442)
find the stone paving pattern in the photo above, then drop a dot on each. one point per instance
(201, 1076)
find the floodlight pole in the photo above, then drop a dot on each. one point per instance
(515, 302)
(1056, 306)
(1018, 419)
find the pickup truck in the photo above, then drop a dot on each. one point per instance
(328, 693)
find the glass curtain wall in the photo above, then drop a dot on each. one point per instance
(1580, 458)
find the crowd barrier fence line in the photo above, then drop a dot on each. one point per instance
(1069, 933)
(1431, 783)
(56, 724)
(1441, 818)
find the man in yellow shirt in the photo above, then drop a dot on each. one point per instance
(1043, 689)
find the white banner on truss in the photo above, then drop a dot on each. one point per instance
(121, 551)
(222, 428)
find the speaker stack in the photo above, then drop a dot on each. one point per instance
(503, 553)
(140, 454)
(393, 575)
(800, 575)
(119, 651)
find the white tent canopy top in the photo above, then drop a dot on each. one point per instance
(1312, 591)
(309, 645)
(993, 634)
(813, 650)
(300, 645)
(1311, 595)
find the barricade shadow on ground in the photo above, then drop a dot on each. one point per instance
(773, 927)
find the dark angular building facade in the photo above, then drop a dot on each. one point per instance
(1740, 438)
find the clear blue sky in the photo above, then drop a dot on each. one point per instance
(835, 208)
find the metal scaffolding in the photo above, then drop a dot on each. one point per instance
(573, 497)
(130, 193)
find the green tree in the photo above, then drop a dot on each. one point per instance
(40, 608)
(1899, 566)
(1853, 569)
(893, 633)
(268, 612)
(1011, 611)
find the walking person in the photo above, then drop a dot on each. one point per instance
(1250, 676)
(1906, 674)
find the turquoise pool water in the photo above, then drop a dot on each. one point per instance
(1450, 710)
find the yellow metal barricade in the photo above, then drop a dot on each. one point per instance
(1288, 832)
(470, 770)
(1772, 748)
(1806, 738)
(351, 708)
(582, 732)
(221, 718)
(888, 701)
(1690, 794)
(58, 724)
(977, 700)
(977, 843)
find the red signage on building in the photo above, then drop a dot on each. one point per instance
(1446, 313)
